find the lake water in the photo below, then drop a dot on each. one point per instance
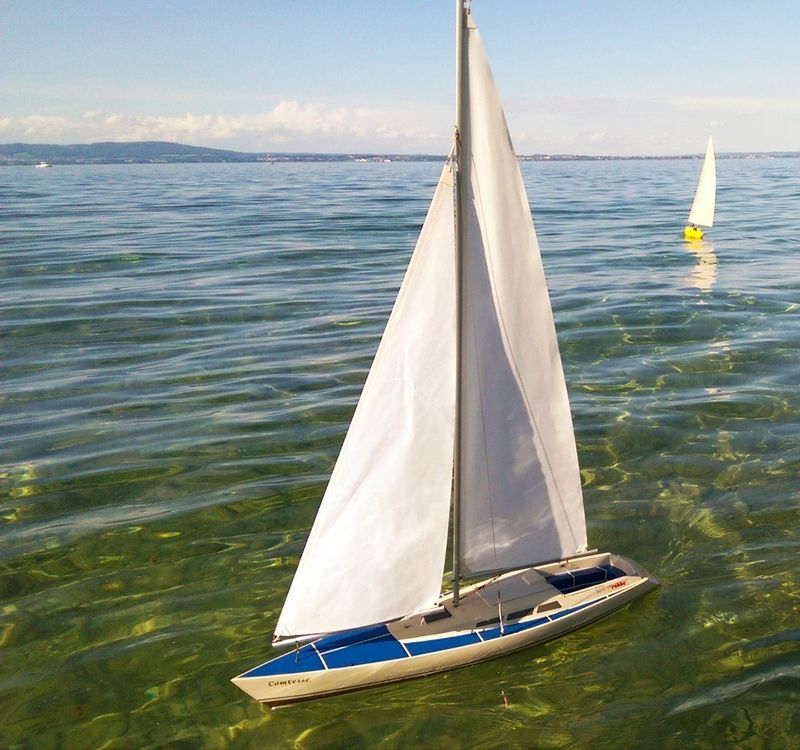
(181, 349)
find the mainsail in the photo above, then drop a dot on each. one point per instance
(702, 212)
(376, 550)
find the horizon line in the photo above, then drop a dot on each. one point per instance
(352, 154)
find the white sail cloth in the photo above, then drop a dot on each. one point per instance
(521, 499)
(376, 550)
(702, 211)
(377, 547)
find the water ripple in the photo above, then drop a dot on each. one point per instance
(182, 350)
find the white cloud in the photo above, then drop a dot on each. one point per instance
(736, 105)
(290, 125)
(589, 125)
(652, 125)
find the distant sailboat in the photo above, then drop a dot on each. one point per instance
(464, 411)
(702, 212)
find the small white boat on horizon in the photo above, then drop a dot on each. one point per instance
(702, 210)
(43, 165)
(463, 436)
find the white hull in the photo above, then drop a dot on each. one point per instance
(474, 623)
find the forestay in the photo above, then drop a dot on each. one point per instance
(702, 212)
(521, 497)
(376, 550)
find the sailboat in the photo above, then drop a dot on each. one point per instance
(702, 211)
(464, 424)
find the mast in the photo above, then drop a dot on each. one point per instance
(462, 9)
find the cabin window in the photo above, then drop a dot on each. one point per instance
(520, 614)
(441, 614)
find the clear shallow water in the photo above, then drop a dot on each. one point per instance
(181, 348)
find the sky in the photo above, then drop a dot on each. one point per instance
(615, 77)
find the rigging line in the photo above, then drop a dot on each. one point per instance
(514, 362)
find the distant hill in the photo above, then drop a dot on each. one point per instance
(116, 153)
(163, 152)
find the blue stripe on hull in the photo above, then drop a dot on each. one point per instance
(303, 659)
(342, 640)
(417, 648)
(376, 644)
(564, 613)
(384, 647)
(491, 633)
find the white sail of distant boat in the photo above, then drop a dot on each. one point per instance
(463, 424)
(702, 211)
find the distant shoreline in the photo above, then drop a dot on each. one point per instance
(161, 152)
